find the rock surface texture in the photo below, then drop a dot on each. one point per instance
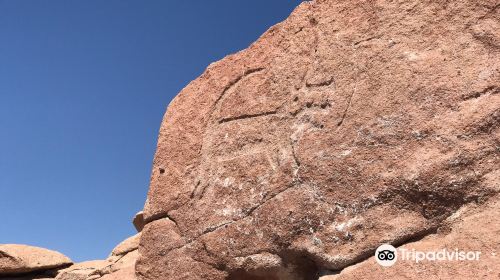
(19, 259)
(21, 262)
(120, 265)
(348, 125)
(470, 229)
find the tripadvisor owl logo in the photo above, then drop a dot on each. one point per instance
(386, 255)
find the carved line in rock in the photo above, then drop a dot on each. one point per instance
(211, 126)
(356, 72)
(365, 254)
(491, 90)
(247, 116)
(384, 198)
(349, 102)
(321, 84)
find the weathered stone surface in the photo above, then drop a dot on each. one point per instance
(18, 259)
(83, 270)
(475, 229)
(124, 274)
(348, 125)
(119, 264)
(128, 245)
(114, 267)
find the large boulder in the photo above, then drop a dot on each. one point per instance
(348, 125)
(20, 259)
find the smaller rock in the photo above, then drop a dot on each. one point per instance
(82, 271)
(21, 259)
(119, 263)
(124, 274)
(126, 261)
(128, 245)
(139, 221)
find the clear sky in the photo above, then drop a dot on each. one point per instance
(83, 88)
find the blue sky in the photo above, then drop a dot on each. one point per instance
(83, 88)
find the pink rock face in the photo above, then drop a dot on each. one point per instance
(21, 259)
(128, 245)
(123, 274)
(119, 265)
(348, 125)
(471, 229)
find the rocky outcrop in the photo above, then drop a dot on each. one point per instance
(348, 125)
(119, 265)
(123, 274)
(18, 259)
(21, 262)
(128, 245)
(83, 271)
